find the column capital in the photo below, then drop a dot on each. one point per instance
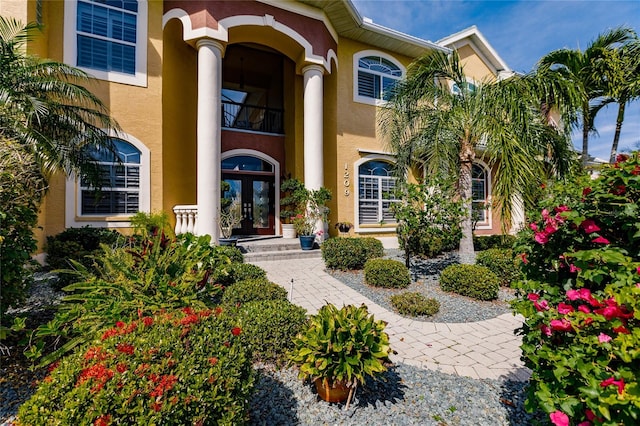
(209, 42)
(311, 68)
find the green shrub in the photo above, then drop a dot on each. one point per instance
(414, 304)
(253, 290)
(233, 253)
(182, 367)
(580, 299)
(235, 272)
(21, 190)
(81, 245)
(386, 273)
(350, 253)
(486, 242)
(268, 327)
(502, 263)
(157, 273)
(474, 281)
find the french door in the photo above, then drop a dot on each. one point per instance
(254, 195)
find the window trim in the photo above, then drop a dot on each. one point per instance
(73, 193)
(363, 229)
(356, 60)
(70, 46)
(488, 223)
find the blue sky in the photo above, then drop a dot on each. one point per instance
(522, 32)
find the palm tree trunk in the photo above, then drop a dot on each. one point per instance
(616, 136)
(585, 139)
(465, 251)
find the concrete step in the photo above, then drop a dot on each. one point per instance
(263, 256)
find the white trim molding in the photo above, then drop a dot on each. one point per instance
(70, 46)
(73, 214)
(224, 25)
(276, 174)
(488, 224)
(356, 59)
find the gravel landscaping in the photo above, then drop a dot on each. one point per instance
(406, 396)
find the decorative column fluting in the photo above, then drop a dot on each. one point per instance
(208, 136)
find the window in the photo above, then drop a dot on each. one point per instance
(467, 86)
(375, 77)
(376, 193)
(107, 39)
(480, 194)
(120, 183)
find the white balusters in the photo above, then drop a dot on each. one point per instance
(186, 219)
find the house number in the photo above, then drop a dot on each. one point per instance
(347, 182)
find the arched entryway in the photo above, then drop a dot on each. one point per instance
(254, 189)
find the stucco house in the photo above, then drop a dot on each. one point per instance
(251, 92)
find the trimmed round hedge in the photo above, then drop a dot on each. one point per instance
(235, 272)
(350, 253)
(414, 304)
(269, 327)
(253, 290)
(181, 367)
(386, 273)
(502, 263)
(474, 281)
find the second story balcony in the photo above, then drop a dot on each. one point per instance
(252, 117)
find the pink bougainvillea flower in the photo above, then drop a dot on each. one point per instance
(588, 321)
(585, 309)
(621, 330)
(533, 226)
(541, 237)
(545, 214)
(533, 297)
(638, 270)
(573, 295)
(612, 381)
(562, 208)
(564, 309)
(600, 240)
(543, 305)
(545, 330)
(560, 325)
(558, 418)
(589, 226)
(589, 414)
(604, 338)
(573, 268)
(551, 228)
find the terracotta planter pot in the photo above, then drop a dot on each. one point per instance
(332, 391)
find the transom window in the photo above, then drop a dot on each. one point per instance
(376, 77)
(246, 163)
(480, 194)
(376, 193)
(119, 191)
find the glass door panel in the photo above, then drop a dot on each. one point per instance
(261, 204)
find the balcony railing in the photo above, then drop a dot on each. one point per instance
(251, 117)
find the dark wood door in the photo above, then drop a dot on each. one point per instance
(256, 196)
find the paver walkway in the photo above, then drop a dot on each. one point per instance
(481, 350)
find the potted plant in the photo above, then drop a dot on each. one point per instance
(292, 203)
(230, 218)
(304, 225)
(317, 207)
(344, 227)
(339, 348)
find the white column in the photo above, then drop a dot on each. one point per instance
(313, 124)
(209, 123)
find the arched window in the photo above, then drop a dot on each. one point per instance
(376, 76)
(108, 39)
(119, 193)
(376, 193)
(480, 194)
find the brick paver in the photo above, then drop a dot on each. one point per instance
(481, 350)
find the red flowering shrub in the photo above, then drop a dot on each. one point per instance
(581, 300)
(161, 370)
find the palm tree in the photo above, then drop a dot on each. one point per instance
(579, 69)
(443, 130)
(45, 109)
(620, 77)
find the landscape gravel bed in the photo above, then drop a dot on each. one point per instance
(425, 272)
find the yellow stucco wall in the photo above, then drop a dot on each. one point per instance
(474, 66)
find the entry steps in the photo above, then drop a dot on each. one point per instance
(274, 248)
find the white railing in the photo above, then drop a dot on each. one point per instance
(186, 219)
